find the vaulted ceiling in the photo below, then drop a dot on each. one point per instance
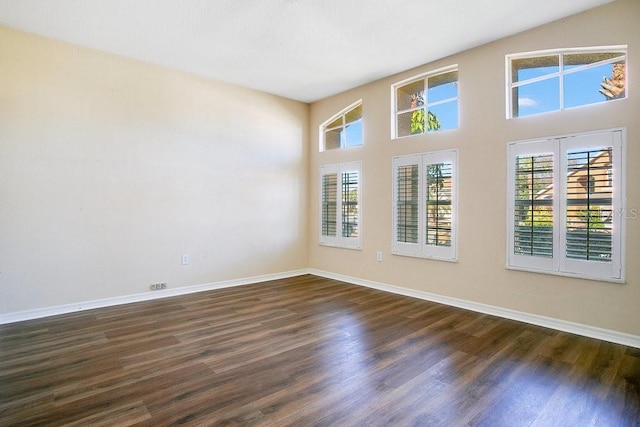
(300, 49)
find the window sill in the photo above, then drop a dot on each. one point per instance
(398, 138)
(565, 274)
(433, 258)
(329, 245)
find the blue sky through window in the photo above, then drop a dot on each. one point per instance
(352, 134)
(442, 92)
(539, 97)
(582, 88)
(446, 113)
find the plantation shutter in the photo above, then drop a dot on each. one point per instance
(329, 205)
(340, 223)
(424, 205)
(440, 178)
(533, 205)
(350, 204)
(438, 197)
(407, 204)
(592, 228)
(589, 205)
(566, 204)
(407, 208)
(350, 219)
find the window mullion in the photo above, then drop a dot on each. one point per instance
(618, 204)
(561, 80)
(535, 80)
(426, 97)
(409, 110)
(339, 232)
(421, 209)
(444, 101)
(589, 219)
(559, 203)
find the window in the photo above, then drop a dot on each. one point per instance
(565, 201)
(426, 103)
(554, 80)
(340, 205)
(343, 130)
(425, 205)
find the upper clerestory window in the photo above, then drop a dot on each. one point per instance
(342, 130)
(544, 81)
(425, 103)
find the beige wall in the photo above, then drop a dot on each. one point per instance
(110, 169)
(480, 275)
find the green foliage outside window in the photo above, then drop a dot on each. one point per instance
(538, 216)
(592, 216)
(418, 119)
(418, 122)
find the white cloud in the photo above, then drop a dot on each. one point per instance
(527, 102)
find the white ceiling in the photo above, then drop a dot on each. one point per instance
(300, 49)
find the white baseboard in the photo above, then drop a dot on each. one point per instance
(534, 319)
(147, 296)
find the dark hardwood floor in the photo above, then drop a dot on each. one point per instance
(308, 351)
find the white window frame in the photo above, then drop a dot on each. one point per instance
(421, 249)
(559, 264)
(424, 76)
(339, 240)
(342, 113)
(561, 73)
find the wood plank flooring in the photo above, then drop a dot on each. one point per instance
(308, 351)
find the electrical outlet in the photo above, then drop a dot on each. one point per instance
(158, 286)
(186, 259)
(379, 256)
